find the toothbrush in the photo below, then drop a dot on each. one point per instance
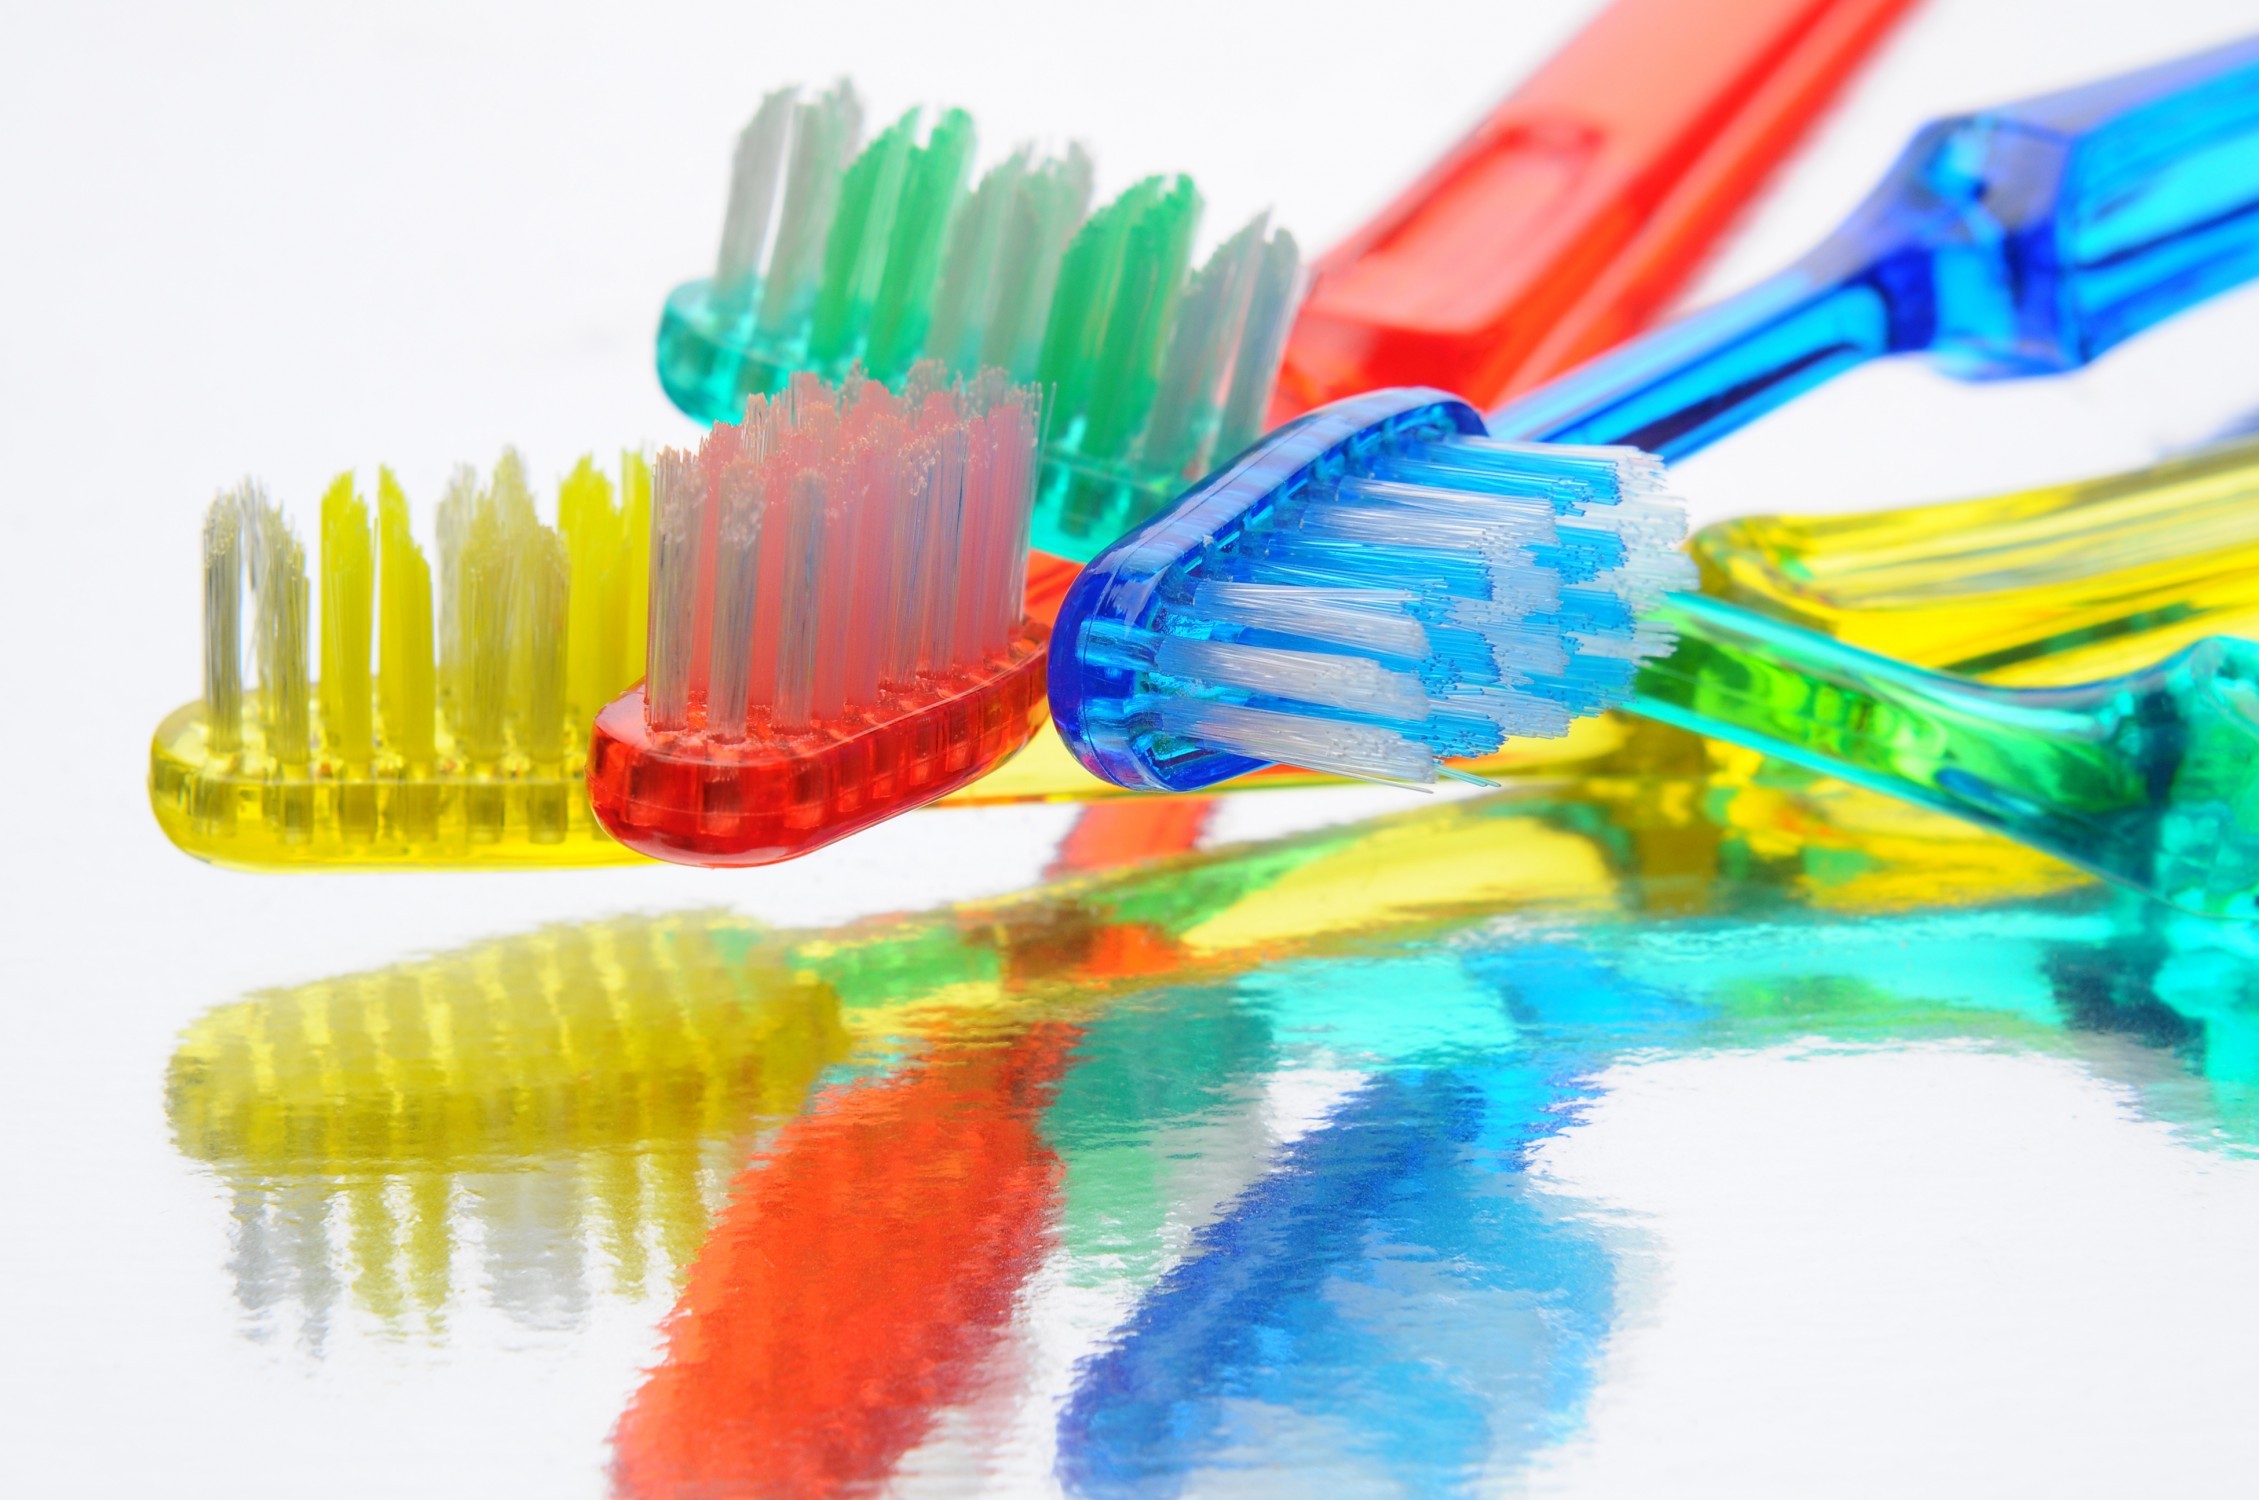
(462, 747)
(2037, 587)
(1212, 640)
(2034, 587)
(837, 630)
(884, 256)
(1569, 218)
(2022, 240)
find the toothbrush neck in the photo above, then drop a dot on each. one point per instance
(1682, 387)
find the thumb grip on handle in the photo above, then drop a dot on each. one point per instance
(2150, 780)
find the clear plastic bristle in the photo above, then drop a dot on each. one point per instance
(842, 542)
(1439, 597)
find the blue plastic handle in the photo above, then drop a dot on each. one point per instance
(2020, 240)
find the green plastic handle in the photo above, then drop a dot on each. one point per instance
(2150, 780)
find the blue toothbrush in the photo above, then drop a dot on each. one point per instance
(1392, 580)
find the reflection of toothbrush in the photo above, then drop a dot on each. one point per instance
(467, 752)
(866, 1264)
(1247, 625)
(884, 256)
(1569, 218)
(837, 632)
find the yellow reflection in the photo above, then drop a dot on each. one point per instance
(531, 1092)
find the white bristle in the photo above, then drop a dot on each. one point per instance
(754, 175)
(1372, 619)
(857, 542)
(1349, 682)
(825, 133)
(677, 520)
(223, 624)
(1363, 751)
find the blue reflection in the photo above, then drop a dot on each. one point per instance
(1393, 1306)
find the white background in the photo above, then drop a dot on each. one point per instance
(288, 239)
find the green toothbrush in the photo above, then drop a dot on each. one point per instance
(834, 257)
(2150, 779)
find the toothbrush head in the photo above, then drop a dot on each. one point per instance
(1372, 590)
(837, 631)
(836, 254)
(464, 746)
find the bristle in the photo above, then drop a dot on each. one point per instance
(474, 756)
(884, 257)
(840, 544)
(540, 585)
(278, 587)
(1198, 367)
(348, 568)
(482, 613)
(855, 249)
(902, 307)
(223, 624)
(754, 176)
(825, 133)
(678, 520)
(1262, 344)
(1434, 599)
(1047, 204)
(404, 655)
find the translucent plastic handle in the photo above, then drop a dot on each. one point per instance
(1571, 216)
(2150, 780)
(2020, 240)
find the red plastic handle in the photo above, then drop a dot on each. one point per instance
(1569, 219)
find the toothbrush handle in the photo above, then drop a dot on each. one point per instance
(2151, 780)
(1690, 383)
(2023, 240)
(1570, 217)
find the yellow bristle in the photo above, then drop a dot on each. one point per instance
(404, 661)
(632, 613)
(542, 575)
(348, 571)
(591, 524)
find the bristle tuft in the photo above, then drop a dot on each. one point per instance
(1433, 599)
(842, 543)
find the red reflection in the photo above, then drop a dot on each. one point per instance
(864, 1265)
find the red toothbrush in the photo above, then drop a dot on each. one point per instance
(839, 620)
(1572, 215)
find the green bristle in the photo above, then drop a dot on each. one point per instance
(855, 252)
(1089, 276)
(1127, 368)
(933, 185)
